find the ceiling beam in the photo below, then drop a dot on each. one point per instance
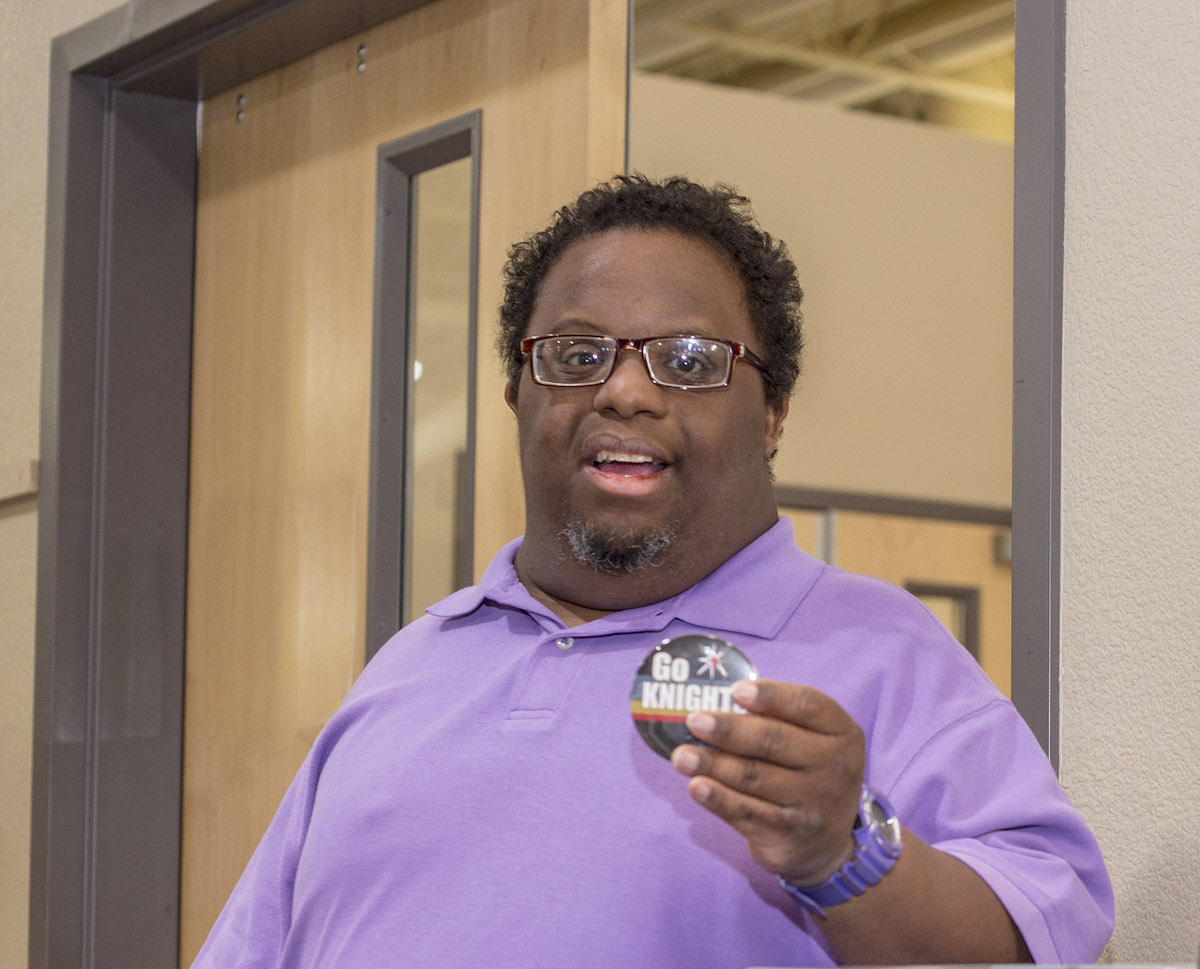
(934, 23)
(657, 40)
(836, 88)
(963, 31)
(760, 48)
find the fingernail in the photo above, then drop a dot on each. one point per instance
(745, 691)
(700, 789)
(701, 724)
(685, 759)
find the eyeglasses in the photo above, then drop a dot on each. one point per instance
(682, 362)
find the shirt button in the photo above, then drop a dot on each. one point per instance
(565, 643)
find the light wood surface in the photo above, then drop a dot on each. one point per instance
(285, 235)
(608, 95)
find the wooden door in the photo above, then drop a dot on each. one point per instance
(282, 364)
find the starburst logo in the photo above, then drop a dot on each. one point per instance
(709, 664)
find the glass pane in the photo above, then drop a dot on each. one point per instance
(895, 197)
(439, 352)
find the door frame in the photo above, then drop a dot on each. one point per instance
(399, 162)
(1039, 151)
(113, 503)
(112, 508)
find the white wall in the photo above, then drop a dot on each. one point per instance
(1131, 460)
(26, 29)
(902, 235)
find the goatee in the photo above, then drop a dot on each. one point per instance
(618, 553)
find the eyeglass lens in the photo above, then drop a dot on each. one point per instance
(671, 361)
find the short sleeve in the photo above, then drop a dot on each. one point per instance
(982, 790)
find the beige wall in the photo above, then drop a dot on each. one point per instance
(1131, 460)
(26, 29)
(902, 235)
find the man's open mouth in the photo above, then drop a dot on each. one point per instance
(627, 465)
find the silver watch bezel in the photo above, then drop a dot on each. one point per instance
(880, 820)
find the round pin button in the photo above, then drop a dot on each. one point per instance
(682, 675)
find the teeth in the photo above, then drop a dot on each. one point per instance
(605, 456)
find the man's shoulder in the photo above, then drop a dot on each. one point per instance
(856, 593)
(851, 628)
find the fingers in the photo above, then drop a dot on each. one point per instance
(751, 776)
(786, 775)
(827, 782)
(794, 726)
(760, 737)
(793, 703)
(749, 815)
(802, 844)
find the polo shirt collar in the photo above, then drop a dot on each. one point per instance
(757, 590)
(499, 583)
(753, 593)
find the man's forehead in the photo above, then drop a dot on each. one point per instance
(656, 260)
(621, 238)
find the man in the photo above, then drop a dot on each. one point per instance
(483, 797)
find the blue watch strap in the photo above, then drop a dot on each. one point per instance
(877, 846)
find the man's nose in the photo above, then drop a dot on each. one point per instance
(629, 389)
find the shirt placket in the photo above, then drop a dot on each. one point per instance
(558, 658)
(548, 677)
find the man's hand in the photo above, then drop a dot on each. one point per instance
(787, 775)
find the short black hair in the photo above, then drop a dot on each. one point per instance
(716, 215)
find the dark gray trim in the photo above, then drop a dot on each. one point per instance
(59, 896)
(819, 500)
(113, 520)
(399, 162)
(136, 731)
(1037, 361)
(112, 503)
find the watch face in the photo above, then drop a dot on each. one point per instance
(879, 817)
(875, 813)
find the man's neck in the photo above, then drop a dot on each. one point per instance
(571, 613)
(556, 579)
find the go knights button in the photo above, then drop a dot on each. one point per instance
(687, 673)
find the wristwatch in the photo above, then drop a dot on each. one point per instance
(877, 846)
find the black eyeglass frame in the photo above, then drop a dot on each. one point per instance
(738, 351)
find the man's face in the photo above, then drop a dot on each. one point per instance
(629, 460)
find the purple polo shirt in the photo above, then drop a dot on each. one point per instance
(482, 798)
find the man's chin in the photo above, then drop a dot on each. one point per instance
(617, 551)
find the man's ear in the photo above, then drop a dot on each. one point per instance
(774, 425)
(510, 395)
